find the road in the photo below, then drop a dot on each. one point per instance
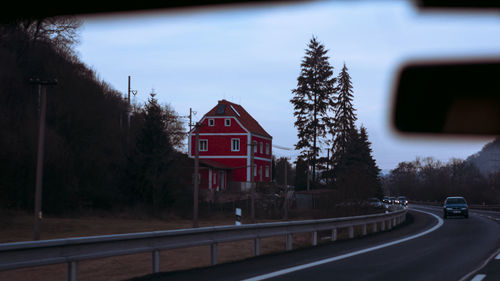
(425, 248)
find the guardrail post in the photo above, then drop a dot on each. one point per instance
(364, 229)
(315, 238)
(334, 234)
(213, 253)
(72, 270)
(155, 261)
(256, 246)
(289, 240)
(351, 231)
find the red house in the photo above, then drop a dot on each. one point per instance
(225, 135)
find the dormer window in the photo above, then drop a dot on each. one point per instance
(227, 122)
(211, 122)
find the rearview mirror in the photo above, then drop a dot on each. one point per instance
(448, 97)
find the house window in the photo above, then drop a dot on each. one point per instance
(211, 122)
(267, 148)
(267, 171)
(235, 144)
(227, 122)
(260, 172)
(254, 147)
(261, 147)
(203, 145)
(255, 170)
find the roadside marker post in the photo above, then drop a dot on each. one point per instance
(238, 216)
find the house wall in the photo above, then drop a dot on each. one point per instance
(219, 139)
(220, 145)
(262, 158)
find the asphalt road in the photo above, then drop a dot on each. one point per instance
(448, 249)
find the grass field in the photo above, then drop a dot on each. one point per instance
(17, 226)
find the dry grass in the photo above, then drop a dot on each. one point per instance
(16, 226)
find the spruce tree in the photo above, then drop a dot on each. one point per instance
(312, 100)
(345, 116)
(372, 170)
(149, 163)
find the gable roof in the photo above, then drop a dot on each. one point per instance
(226, 108)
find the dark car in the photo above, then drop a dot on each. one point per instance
(455, 206)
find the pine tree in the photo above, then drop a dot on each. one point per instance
(313, 99)
(357, 174)
(148, 170)
(372, 170)
(343, 123)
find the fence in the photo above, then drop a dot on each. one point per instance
(72, 250)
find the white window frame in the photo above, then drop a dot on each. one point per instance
(200, 146)
(267, 171)
(233, 141)
(227, 122)
(211, 122)
(267, 148)
(254, 146)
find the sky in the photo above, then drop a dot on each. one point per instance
(251, 55)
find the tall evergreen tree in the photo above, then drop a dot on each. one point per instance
(313, 99)
(345, 116)
(357, 174)
(372, 170)
(148, 171)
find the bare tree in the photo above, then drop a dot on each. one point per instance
(61, 32)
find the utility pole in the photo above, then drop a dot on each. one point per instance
(252, 187)
(327, 165)
(42, 93)
(196, 175)
(190, 119)
(307, 178)
(129, 111)
(286, 189)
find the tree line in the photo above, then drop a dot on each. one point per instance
(427, 179)
(94, 157)
(325, 120)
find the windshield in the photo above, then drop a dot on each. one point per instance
(451, 201)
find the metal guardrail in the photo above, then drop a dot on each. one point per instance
(72, 250)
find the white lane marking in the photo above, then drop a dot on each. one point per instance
(497, 257)
(332, 259)
(478, 277)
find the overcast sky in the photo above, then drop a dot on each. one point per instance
(252, 55)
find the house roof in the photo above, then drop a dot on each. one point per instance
(226, 108)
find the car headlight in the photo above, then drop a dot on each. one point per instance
(463, 208)
(449, 209)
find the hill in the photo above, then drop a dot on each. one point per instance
(488, 159)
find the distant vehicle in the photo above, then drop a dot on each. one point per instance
(375, 202)
(455, 206)
(402, 201)
(386, 199)
(392, 200)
